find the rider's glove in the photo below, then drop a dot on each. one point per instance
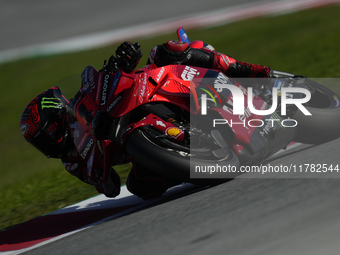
(128, 56)
(111, 66)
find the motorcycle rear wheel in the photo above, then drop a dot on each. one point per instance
(324, 124)
(169, 160)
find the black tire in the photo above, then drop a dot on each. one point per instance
(324, 124)
(171, 162)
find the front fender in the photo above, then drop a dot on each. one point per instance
(166, 128)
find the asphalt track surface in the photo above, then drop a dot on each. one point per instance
(289, 215)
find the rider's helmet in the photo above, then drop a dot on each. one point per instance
(44, 124)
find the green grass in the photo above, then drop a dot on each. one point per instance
(305, 43)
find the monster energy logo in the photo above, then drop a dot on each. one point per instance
(50, 102)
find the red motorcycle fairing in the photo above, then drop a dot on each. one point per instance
(167, 128)
(150, 84)
(179, 84)
(173, 84)
(120, 93)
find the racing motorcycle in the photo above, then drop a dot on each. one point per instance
(174, 118)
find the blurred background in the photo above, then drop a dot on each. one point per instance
(34, 22)
(305, 42)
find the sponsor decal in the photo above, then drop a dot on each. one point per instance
(105, 88)
(160, 123)
(52, 102)
(87, 149)
(220, 80)
(189, 73)
(159, 75)
(173, 132)
(142, 91)
(117, 99)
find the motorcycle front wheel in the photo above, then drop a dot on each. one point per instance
(168, 158)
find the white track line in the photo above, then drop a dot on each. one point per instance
(86, 204)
